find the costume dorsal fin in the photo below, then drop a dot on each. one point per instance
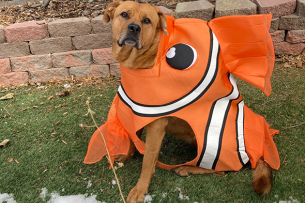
(246, 47)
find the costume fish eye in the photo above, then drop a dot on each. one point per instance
(192, 78)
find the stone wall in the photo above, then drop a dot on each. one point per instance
(38, 51)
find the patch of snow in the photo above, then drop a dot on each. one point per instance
(56, 198)
(43, 193)
(289, 201)
(67, 86)
(40, 87)
(7, 197)
(276, 196)
(164, 194)
(63, 189)
(148, 198)
(89, 184)
(113, 182)
(181, 196)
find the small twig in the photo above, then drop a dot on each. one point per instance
(295, 125)
(7, 111)
(108, 157)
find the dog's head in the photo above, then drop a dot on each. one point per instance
(134, 24)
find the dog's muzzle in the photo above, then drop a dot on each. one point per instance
(131, 36)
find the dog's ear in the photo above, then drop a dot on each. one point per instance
(162, 20)
(109, 12)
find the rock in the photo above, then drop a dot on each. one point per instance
(278, 36)
(27, 31)
(288, 48)
(236, 7)
(292, 22)
(197, 9)
(276, 7)
(295, 36)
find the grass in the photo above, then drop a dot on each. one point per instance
(48, 146)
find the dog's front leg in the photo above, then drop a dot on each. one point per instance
(155, 132)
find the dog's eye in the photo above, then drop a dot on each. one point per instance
(124, 15)
(146, 21)
(181, 56)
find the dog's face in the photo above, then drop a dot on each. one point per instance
(134, 24)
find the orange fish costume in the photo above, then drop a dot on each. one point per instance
(192, 80)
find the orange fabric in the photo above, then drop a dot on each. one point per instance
(144, 95)
(246, 45)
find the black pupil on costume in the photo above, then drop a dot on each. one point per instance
(180, 56)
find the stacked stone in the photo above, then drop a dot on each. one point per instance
(38, 51)
(288, 29)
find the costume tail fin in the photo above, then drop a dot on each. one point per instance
(111, 135)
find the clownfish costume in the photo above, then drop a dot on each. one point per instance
(192, 80)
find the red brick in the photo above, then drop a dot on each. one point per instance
(5, 66)
(14, 49)
(92, 70)
(103, 56)
(49, 74)
(27, 31)
(278, 36)
(295, 36)
(15, 78)
(276, 7)
(2, 36)
(115, 70)
(93, 41)
(70, 27)
(98, 25)
(51, 45)
(288, 48)
(31, 63)
(72, 58)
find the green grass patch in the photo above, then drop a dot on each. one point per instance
(48, 146)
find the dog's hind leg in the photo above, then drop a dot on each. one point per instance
(155, 132)
(188, 170)
(132, 149)
(262, 178)
(130, 154)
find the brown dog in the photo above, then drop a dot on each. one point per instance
(136, 28)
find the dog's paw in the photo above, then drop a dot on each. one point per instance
(135, 195)
(182, 171)
(121, 157)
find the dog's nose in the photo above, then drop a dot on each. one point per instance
(134, 28)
